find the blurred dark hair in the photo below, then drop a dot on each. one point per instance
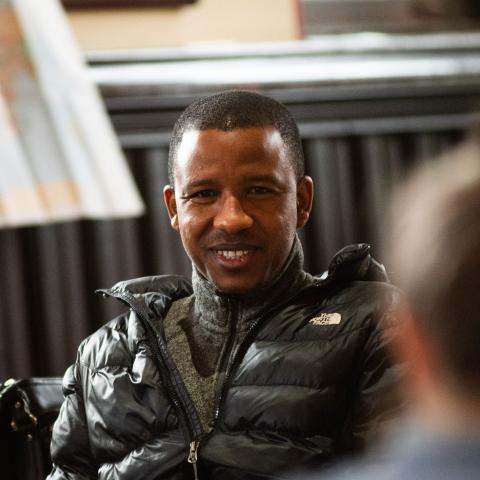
(434, 256)
(238, 109)
(448, 8)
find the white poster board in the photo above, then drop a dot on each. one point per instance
(59, 156)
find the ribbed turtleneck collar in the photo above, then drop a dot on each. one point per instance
(212, 308)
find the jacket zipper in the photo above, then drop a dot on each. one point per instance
(228, 374)
(156, 351)
(193, 457)
(194, 442)
(239, 353)
(228, 351)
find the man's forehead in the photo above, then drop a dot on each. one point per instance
(263, 137)
(207, 153)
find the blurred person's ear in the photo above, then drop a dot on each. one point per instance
(411, 349)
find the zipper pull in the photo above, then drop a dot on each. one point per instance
(193, 457)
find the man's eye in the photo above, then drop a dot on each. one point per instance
(200, 196)
(260, 190)
(203, 194)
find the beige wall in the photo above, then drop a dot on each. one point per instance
(206, 21)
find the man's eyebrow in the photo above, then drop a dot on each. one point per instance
(200, 183)
(211, 182)
(261, 178)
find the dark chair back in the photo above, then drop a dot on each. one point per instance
(28, 409)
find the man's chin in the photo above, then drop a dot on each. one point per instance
(235, 288)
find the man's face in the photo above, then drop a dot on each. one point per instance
(237, 205)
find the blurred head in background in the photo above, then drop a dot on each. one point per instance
(434, 256)
(455, 8)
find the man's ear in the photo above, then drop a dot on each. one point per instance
(304, 200)
(171, 204)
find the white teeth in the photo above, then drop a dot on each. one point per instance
(232, 254)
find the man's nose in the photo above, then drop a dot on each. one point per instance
(232, 217)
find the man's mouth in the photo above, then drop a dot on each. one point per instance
(232, 254)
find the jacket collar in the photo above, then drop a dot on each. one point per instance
(151, 296)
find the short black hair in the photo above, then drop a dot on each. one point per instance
(233, 109)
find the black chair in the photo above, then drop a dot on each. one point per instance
(28, 409)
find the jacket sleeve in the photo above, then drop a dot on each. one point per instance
(376, 400)
(70, 448)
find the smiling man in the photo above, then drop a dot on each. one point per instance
(253, 367)
(237, 201)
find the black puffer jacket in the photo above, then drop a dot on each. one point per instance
(307, 384)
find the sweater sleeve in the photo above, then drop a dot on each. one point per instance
(70, 448)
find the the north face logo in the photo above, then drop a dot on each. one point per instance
(326, 319)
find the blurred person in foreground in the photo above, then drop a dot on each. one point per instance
(253, 366)
(434, 255)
